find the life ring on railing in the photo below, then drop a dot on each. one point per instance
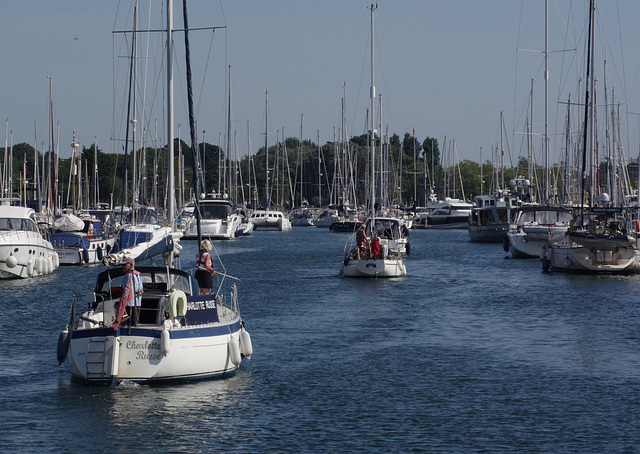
(177, 304)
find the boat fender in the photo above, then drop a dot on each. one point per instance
(546, 264)
(99, 253)
(30, 268)
(246, 348)
(177, 304)
(637, 226)
(11, 261)
(346, 261)
(234, 350)
(39, 265)
(85, 255)
(116, 247)
(408, 247)
(63, 345)
(56, 260)
(48, 265)
(505, 243)
(165, 344)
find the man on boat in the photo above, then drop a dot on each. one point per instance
(131, 295)
(362, 242)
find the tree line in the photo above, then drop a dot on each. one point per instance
(408, 170)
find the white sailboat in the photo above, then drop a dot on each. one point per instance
(362, 263)
(142, 235)
(597, 241)
(177, 334)
(267, 218)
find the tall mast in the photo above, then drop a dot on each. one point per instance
(266, 150)
(372, 95)
(171, 182)
(546, 96)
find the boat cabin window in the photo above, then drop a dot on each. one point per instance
(209, 211)
(18, 224)
(151, 281)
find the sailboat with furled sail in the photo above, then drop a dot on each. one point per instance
(368, 257)
(268, 218)
(597, 240)
(175, 332)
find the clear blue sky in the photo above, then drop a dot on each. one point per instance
(446, 68)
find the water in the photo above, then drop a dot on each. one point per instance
(471, 352)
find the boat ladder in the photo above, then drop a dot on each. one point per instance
(96, 357)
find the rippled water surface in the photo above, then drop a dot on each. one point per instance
(471, 352)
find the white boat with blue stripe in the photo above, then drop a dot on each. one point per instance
(178, 334)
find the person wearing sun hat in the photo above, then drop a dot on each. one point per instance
(131, 295)
(204, 268)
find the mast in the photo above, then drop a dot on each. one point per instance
(319, 171)
(587, 126)
(171, 182)
(96, 193)
(266, 151)
(192, 126)
(372, 95)
(546, 96)
(228, 157)
(301, 159)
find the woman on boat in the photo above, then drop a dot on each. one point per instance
(375, 247)
(204, 268)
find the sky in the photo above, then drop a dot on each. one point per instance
(446, 69)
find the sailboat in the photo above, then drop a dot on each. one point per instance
(367, 263)
(141, 235)
(267, 218)
(178, 334)
(82, 238)
(597, 240)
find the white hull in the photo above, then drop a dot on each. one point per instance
(269, 220)
(215, 229)
(389, 267)
(175, 336)
(522, 245)
(582, 259)
(162, 240)
(529, 241)
(25, 254)
(195, 353)
(78, 256)
(23, 251)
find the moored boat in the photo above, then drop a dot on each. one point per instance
(24, 252)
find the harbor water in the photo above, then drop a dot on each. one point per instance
(470, 352)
